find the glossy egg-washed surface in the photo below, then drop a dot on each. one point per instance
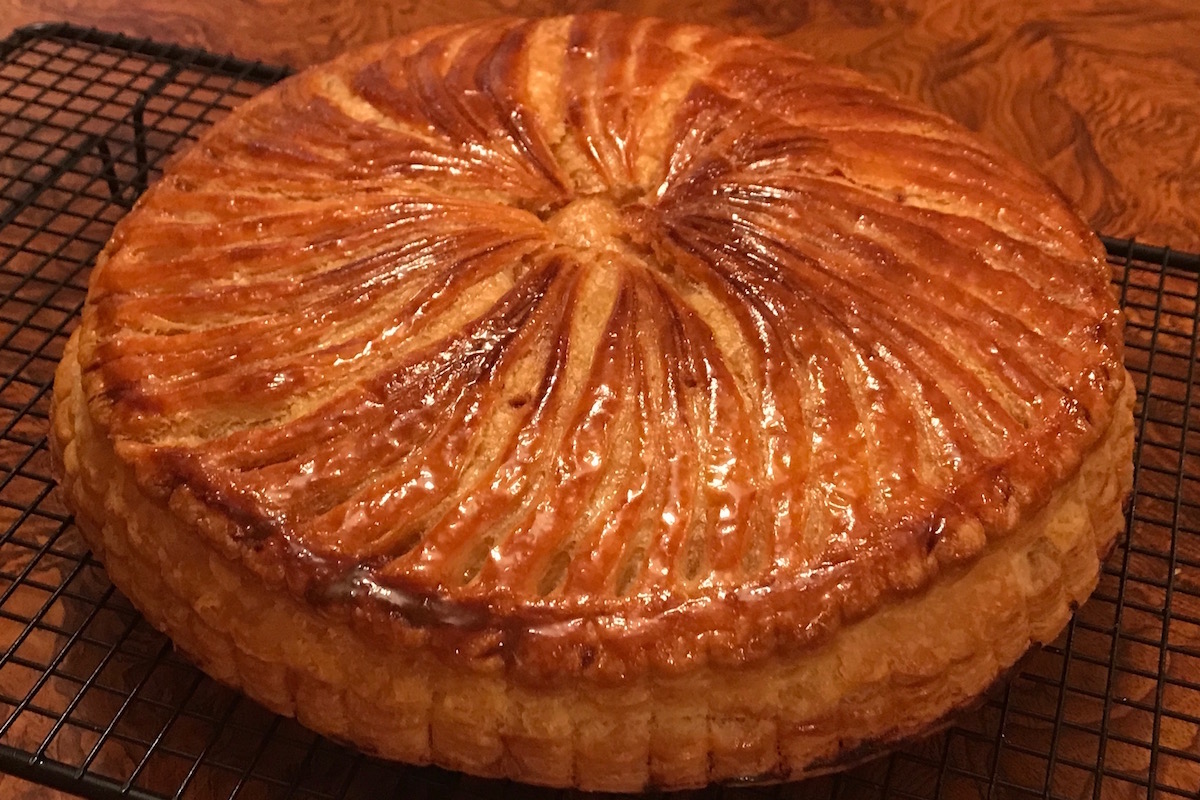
(598, 339)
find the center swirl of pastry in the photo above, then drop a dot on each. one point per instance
(592, 224)
(407, 322)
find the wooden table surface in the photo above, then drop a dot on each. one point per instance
(1102, 97)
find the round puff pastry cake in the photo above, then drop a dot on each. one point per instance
(599, 402)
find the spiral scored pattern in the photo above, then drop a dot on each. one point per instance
(598, 341)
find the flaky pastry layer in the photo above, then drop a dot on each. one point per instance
(887, 677)
(598, 346)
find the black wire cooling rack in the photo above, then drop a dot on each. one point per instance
(95, 702)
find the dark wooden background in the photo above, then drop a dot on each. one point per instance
(1101, 96)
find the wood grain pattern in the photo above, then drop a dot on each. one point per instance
(1100, 95)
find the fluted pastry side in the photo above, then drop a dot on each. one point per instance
(598, 345)
(892, 675)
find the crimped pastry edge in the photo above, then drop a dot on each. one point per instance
(889, 677)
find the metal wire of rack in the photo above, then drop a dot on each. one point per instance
(95, 702)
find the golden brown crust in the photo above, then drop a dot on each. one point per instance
(598, 344)
(599, 354)
(885, 678)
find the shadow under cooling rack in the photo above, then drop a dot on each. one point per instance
(92, 700)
